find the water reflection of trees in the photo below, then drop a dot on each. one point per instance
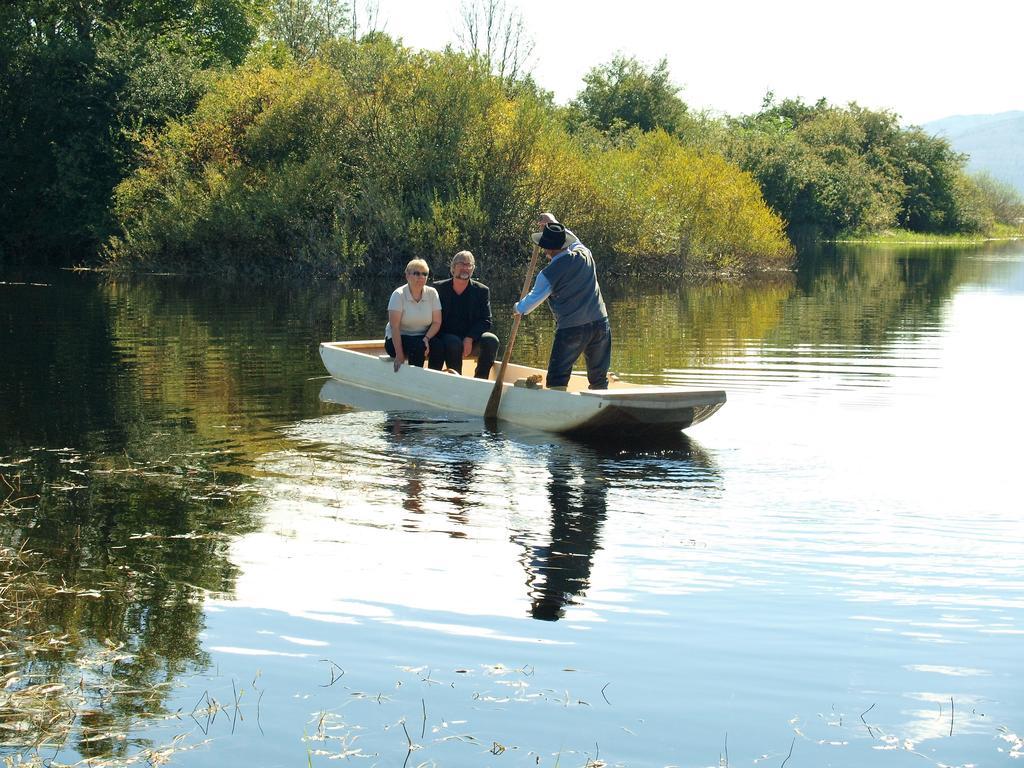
(669, 326)
(216, 352)
(59, 376)
(104, 364)
(854, 297)
(156, 384)
(854, 294)
(841, 294)
(126, 552)
(136, 390)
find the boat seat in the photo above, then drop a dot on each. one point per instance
(390, 359)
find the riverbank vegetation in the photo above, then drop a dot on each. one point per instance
(831, 171)
(906, 237)
(372, 153)
(256, 137)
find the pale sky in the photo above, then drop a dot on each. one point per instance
(924, 59)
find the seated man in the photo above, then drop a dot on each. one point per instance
(465, 320)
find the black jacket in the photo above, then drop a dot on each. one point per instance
(468, 315)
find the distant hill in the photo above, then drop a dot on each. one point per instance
(994, 142)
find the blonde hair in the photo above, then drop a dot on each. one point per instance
(419, 264)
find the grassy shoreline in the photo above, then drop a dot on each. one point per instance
(906, 237)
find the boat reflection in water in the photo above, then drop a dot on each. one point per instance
(549, 494)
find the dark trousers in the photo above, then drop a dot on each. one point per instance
(593, 341)
(411, 345)
(446, 349)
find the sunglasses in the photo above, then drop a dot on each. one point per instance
(417, 273)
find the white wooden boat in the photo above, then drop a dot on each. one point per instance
(622, 410)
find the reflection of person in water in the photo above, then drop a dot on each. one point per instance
(457, 479)
(413, 482)
(578, 499)
(578, 489)
(445, 481)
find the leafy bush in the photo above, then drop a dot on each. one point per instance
(309, 167)
(830, 170)
(251, 181)
(652, 197)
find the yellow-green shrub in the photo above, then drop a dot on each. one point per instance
(651, 196)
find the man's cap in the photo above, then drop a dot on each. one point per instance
(552, 237)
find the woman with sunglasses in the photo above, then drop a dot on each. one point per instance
(414, 316)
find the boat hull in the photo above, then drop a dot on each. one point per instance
(623, 409)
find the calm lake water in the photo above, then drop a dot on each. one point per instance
(828, 572)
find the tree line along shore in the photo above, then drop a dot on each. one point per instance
(264, 137)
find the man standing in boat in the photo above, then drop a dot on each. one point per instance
(465, 320)
(569, 283)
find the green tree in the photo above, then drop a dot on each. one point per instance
(650, 200)
(829, 170)
(79, 82)
(937, 192)
(624, 93)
